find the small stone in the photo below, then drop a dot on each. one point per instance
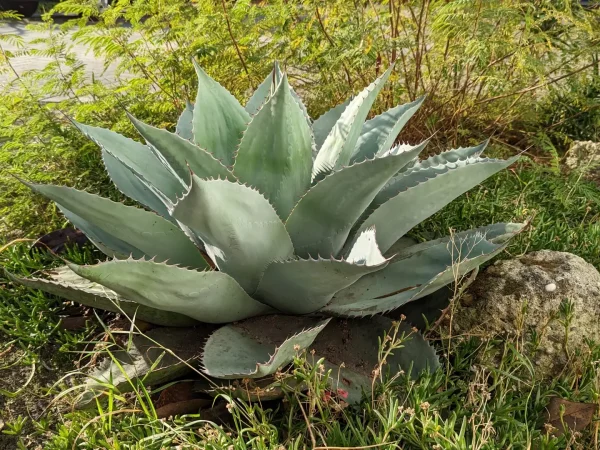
(550, 287)
(583, 155)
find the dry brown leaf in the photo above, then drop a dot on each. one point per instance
(58, 241)
(74, 323)
(184, 407)
(576, 416)
(177, 392)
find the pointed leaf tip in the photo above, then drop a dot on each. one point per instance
(218, 119)
(338, 147)
(379, 134)
(256, 347)
(278, 162)
(365, 250)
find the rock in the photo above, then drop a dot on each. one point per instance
(518, 296)
(583, 155)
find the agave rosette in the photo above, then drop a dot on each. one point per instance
(267, 233)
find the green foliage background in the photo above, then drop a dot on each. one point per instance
(503, 68)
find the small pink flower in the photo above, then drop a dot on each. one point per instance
(342, 393)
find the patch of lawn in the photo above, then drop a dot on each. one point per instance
(487, 397)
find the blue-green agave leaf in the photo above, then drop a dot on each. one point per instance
(323, 125)
(322, 219)
(267, 88)
(140, 160)
(422, 269)
(417, 194)
(181, 155)
(258, 347)
(378, 134)
(65, 283)
(451, 156)
(278, 162)
(184, 123)
(338, 147)
(123, 230)
(302, 286)
(210, 297)
(130, 184)
(219, 120)
(240, 229)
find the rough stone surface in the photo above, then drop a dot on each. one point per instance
(536, 283)
(584, 155)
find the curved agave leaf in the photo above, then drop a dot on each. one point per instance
(140, 160)
(65, 283)
(378, 134)
(128, 182)
(184, 123)
(302, 107)
(303, 286)
(497, 233)
(323, 125)
(240, 229)
(277, 162)
(264, 90)
(348, 348)
(159, 356)
(258, 347)
(422, 269)
(422, 171)
(219, 120)
(338, 147)
(441, 159)
(322, 219)
(210, 297)
(121, 230)
(420, 193)
(115, 247)
(181, 155)
(452, 156)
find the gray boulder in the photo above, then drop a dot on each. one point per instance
(583, 155)
(524, 295)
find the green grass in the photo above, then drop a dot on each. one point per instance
(488, 396)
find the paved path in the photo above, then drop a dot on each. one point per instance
(21, 64)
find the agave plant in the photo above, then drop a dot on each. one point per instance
(287, 231)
